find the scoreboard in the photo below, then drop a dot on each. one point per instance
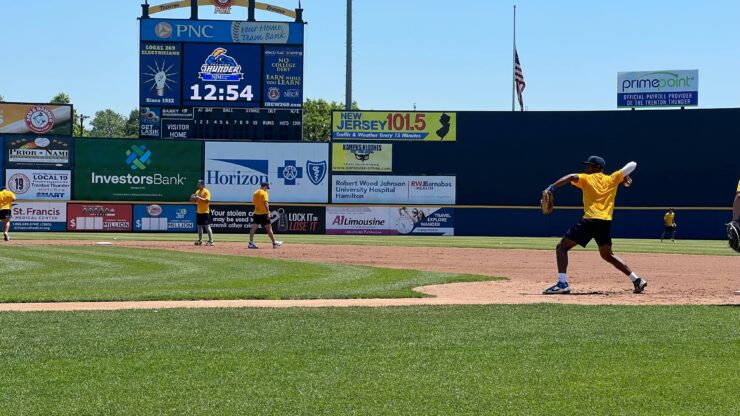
(216, 79)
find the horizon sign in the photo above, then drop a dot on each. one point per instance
(668, 88)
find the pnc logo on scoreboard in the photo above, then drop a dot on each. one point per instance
(219, 66)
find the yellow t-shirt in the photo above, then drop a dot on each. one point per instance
(259, 198)
(203, 206)
(668, 218)
(738, 186)
(599, 193)
(6, 198)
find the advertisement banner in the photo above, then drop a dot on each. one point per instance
(178, 30)
(159, 73)
(98, 217)
(362, 157)
(237, 219)
(658, 88)
(22, 118)
(297, 172)
(38, 152)
(166, 218)
(283, 69)
(136, 170)
(390, 125)
(390, 221)
(39, 216)
(35, 184)
(222, 75)
(385, 189)
(150, 125)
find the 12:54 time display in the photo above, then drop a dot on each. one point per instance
(214, 93)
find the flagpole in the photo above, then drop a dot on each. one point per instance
(513, 63)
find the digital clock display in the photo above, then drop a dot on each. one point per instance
(222, 75)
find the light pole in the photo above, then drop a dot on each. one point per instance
(82, 118)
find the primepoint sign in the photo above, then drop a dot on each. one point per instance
(136, 170)
(678, 88)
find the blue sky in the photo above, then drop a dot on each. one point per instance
(439, 54)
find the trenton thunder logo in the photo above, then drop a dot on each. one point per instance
(138, 157)
(220, 67)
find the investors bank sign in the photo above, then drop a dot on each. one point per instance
(658, 89)
(136, 170)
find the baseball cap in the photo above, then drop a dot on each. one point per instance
(267, 184)
(595, 160)
(201, 182)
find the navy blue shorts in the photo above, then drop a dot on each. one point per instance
(203, 219)
(587, 229)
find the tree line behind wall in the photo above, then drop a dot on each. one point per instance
(108, 123)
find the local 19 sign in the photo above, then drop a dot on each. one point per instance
(658, 88)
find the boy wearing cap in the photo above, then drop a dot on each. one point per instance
(261, 215)
(202, 199)
(7, 197)
(599, 194)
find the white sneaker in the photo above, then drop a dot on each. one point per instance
(210, 243)
(252, 245)
(277, 244)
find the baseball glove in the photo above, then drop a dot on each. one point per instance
(547, 201)
(733, 235)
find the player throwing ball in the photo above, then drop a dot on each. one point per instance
(261, 215)
(599, 193)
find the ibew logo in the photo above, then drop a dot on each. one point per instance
(290, 172)
(316, 171)
(138, 157)
(257, 172)
(220, 67)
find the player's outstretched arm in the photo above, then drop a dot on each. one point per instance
(629, 168)
(570, 178)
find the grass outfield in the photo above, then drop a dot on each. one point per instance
(104, 273)
(697, 247)
(534, 359)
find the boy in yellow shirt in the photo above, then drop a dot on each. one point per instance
(261, 216)
(202, 199)
(599, 194)
(7, 197)
(669, 219)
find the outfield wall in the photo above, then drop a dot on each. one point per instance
(483, 177)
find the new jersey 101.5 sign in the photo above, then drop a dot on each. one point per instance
(208, 67)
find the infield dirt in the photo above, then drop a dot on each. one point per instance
(673, 279)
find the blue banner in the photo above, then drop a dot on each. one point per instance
(178, 30)
(658, 99)
(159, 73)
(283, 69)
(164, 218)
(221, 75)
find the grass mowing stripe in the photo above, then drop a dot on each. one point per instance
(696, 247)
(504, 359)
(100, 273)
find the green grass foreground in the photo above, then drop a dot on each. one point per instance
(534, 359)
(624, 245)
(105, 273)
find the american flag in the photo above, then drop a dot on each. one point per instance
(519, 79)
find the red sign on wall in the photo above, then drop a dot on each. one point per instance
(99, 217)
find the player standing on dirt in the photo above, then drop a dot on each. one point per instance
(7, 197)
(261, 215)
(202, 199)
(599, 194)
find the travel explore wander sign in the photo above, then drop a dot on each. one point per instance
(658, 89)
